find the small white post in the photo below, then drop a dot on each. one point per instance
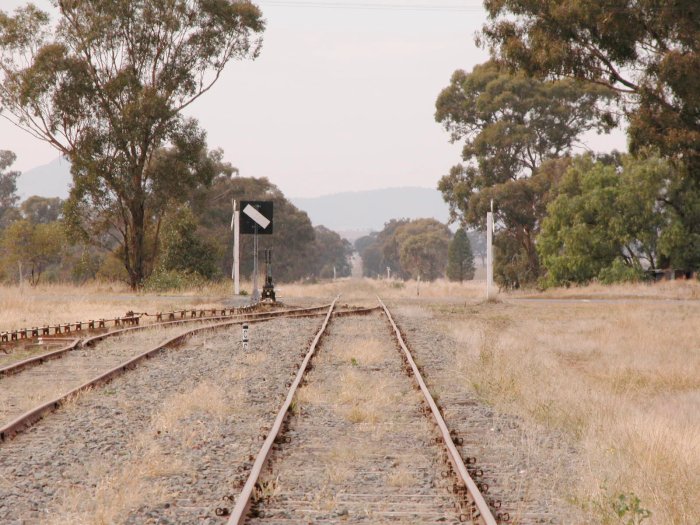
(236, 269)
(21, 280)
(334, 273)
(388, 273)
(244, 337)
(418, 286)
(489, 254)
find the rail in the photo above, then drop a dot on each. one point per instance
(480, 509)
(17, 367)
(243, 502)
(27, 419)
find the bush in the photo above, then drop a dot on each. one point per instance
(173, 280)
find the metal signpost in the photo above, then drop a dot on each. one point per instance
(256, 219)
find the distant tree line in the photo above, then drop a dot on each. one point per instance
(194, 242)
(413, 249)
(563, 217)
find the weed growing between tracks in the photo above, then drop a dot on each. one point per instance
(176, 424)
(620, 380)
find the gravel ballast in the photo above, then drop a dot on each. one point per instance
(165, 443)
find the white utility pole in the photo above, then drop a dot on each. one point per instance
(236, 268)
(489, 252)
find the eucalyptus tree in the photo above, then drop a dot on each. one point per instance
(512, 127)
(648, 51)
(105, 84)
(8, 189)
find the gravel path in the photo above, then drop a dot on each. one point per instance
(359, 448)
(165, 443)
(522, 465)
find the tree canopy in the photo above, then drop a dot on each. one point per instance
(8, 189)
(605, 222)
(514, 129)
(409, 248)
(648, 51)
(460, 259)
(105, 86)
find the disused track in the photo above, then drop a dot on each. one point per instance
(285, 497)
(26, 419)
(16, 367)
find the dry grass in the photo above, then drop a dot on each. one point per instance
(622, 381)
(53, 304)
(362, 292)
(124, 487)
(680, 289)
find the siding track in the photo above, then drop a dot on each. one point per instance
(28, 396)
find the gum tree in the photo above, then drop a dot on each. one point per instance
(105, 85)
(648, 51)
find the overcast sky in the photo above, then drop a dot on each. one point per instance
(340, 99)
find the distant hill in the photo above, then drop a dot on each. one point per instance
(352, 214)
(369, 210)
(50, 180)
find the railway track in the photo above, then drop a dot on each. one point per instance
(29, 391)
(355, 440)
(353, 443)
(78, 342)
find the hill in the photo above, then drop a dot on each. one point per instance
(50, 180)
(369, 210)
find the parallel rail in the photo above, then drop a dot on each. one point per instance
(480, 510)
(27, 419)
(240, 510)
(30, 362)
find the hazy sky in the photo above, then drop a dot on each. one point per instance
(340, 99)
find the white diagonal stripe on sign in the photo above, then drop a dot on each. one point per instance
(258, 217)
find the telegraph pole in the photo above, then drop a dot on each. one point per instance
(236, 268)
(489, 252)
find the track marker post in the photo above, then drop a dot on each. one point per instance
(244, 337)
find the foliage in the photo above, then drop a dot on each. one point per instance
(35, 246)
(8, 189)
(184, 249)
(398, 247)
(460, 260)
(605, 222)
(162, 280)
(424, 255)
(330, 251)
(106, 85)
(42, 210)
(514, 127)
(646, 50)
(381, 251)
(292, 242)
(628, 507)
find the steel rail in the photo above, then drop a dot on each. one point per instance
(27, 419)
(243, 502)
(30, 362)
(483, 513)
(18, 366)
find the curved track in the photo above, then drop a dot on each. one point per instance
(69, 375)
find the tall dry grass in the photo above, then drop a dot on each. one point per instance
(623, 381)
(60, 303)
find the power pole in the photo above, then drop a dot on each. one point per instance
(489, 252)
(236, 268)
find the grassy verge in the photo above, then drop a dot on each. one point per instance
(621, 380)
